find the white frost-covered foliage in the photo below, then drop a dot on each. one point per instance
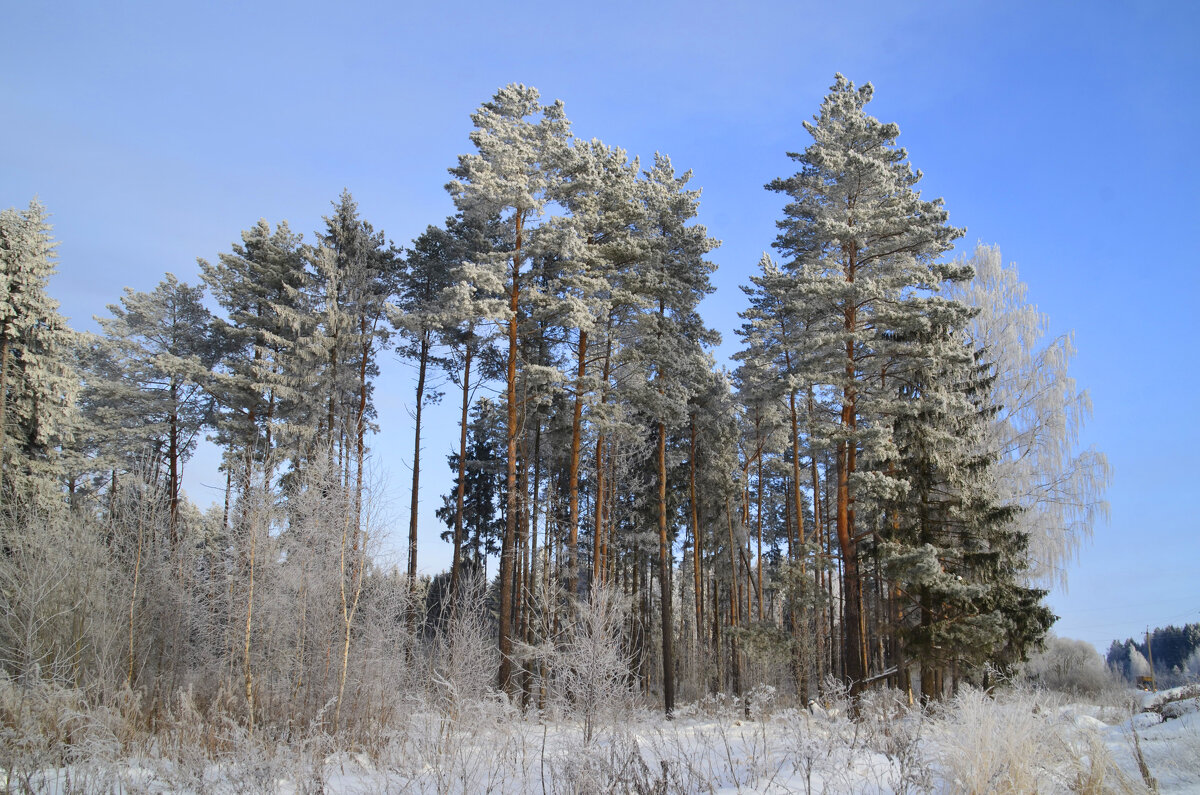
(1069, 666)
(37, 382)
(1191, 666)
(1007, 743)
(1138, 664)
(1041, 412)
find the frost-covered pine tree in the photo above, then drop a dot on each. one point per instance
(356, 275)
(467, 305)
(256, 284)
(162, 350)
(513, 175)
(858, 239)
(667, 353)
(37, 379)
(598, 245)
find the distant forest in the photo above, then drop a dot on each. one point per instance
(1174, 650)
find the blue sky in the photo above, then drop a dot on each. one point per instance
(1064, 132)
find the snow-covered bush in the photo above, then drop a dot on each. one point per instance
(1019, 742)
(1070, 666)
(592, 664)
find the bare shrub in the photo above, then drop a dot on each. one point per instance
(463, 656)
(592, 664)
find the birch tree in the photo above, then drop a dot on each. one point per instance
(1040, 415)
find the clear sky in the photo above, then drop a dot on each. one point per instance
(1064, 132)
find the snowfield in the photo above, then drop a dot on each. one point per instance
(1017, 742)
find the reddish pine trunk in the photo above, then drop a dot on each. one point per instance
(853, 645)
(573, 483)
(664, 576)
(758, 516)
(698, 541)
(599, 545)
(460, 495)
(416, 478)
(734, 620)
(509, 551)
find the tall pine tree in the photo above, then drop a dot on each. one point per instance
(858, 240)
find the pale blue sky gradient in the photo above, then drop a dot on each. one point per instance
(1064, 132)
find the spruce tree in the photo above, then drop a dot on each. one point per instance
(37, 378)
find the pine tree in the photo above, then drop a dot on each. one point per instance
(424, 322)
(513, 176)
(600, 244)
(467, 302)
(353, 285)
(256, 284)
(858, 238)
(162, 347)
(673, 277)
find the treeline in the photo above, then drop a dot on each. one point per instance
(1174, 650)
(877, 493)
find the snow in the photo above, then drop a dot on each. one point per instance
(1014, 742)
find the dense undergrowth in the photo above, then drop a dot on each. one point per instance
(449, 737)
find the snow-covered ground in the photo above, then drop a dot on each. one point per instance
(1017, 742)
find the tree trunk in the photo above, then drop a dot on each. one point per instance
(508, 553)
(735, 660)
(460, 495)
(818, 570)
(4, 356)
(599, 544)
(854, 652)
(573, 482)
(246, 670)
(664, 576)
(697, 540)
(360, 446)
(173, 466)
(758, 518)
(796, 495)
(422, 362)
